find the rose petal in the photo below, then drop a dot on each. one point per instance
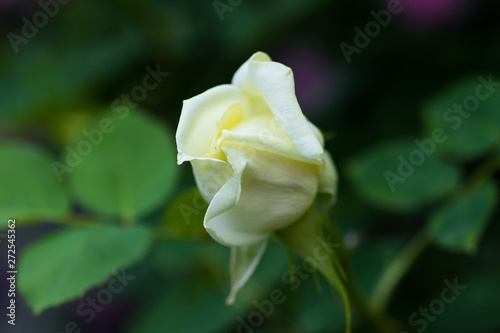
(210, 175)
(259, 76)
(328, 177)
(266, 192)
(264, 133)
(199, 120)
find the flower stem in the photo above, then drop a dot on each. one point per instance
(484, 172)
(404, 260)
(377, 321)
(75, 220)
(397, 270)
(291, 266)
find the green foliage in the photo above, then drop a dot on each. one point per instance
(29, 189)
(91, 52)
(185, 215)
(307, 238)
(319, 313)
(49, 86)
(372, 172)
(469, 133)
(129, 173)
(371, 260)
(458, 226)
(192, 297)
(476, 306)
(63, 266)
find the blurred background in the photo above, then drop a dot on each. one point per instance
(66, 65)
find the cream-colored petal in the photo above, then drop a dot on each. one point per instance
(244, 261)
(259, 76)
(210, 175)
(317, 133)
(264, 133)
(266, 192)
(230, 119)
(267, 143)
(200, 117)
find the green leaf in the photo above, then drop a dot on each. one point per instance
(459, 225)
(63, 266)
(371, 260)
(476, 306)
(29, 189)
(53, 83)
(129, 171)
(469, 134)
(185, 215)
(195, 291)
(315, 313)
(401, 175)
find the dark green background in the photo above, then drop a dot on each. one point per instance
(392, 93)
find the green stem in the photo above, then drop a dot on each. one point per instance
(397, 270)
(291, 266)
(404, 260)
(75, 220)
(482, 173)
(377, 322)
(374, 314)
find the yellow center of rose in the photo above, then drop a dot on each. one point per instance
(230, 118)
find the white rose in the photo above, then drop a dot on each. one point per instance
(256, 159)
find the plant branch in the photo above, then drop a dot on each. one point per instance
(404, 260)
(377, 321)
(397, 270)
